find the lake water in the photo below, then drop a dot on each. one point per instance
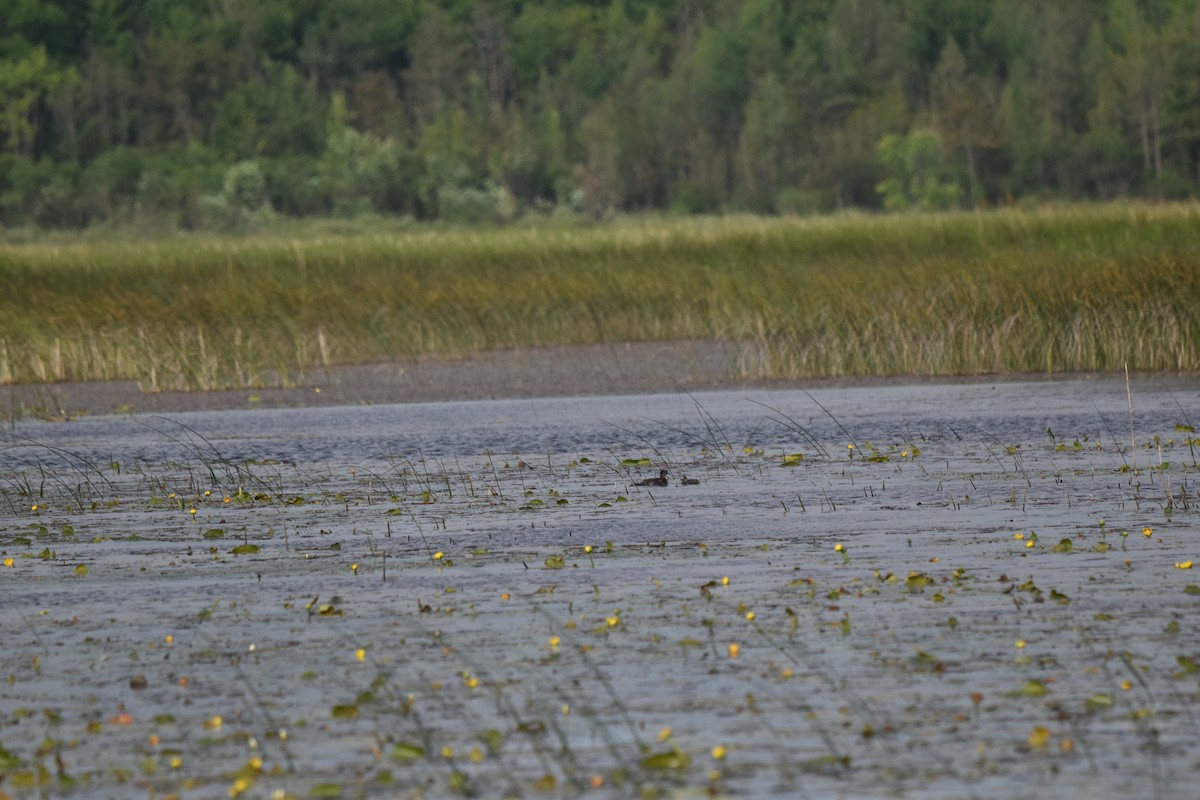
(421, 614)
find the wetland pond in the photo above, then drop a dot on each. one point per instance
(943, 591)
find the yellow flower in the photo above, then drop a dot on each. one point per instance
(554, 642)
(749, 616)
(1029, 544)
(1183, 565)
(8, 562)
(588, 549)
(1126, 685)
(725, 581)
(1018, 536)
(438, 555)
(1020, 644)
(719, 752)
(734, 649)
(1147, 532)
(665, 733)
(360, 654)
(838, 547)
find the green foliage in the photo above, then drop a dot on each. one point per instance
(915, 174)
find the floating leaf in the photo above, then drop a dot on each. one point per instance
(1100, 701)
(1191, 588)
(1039, 736)
(326, 790)
(81, 570)
(1185, 428)
(792, 459)
(636, 462)
(1188, 665)
(923, 657)
(1063, 546)
(348, 711)
(555, 562)
(214, 533)
(667, 760)
(1034, 688)
(244, 549)
(917, 580)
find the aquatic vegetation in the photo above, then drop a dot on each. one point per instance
(400, 629)
(930, 294)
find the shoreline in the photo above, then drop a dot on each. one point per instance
(581, 370)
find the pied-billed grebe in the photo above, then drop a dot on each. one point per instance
(661, 480)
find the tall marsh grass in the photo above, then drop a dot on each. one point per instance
(1056, 289)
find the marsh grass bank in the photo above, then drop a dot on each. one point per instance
(1048, 290)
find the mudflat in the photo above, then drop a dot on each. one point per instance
(585, 370)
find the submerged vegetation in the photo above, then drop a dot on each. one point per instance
(1059, 289)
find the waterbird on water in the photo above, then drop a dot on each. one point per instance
(661, 480)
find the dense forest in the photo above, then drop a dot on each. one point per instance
(224, 113)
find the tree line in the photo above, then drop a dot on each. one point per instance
(218, 113)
